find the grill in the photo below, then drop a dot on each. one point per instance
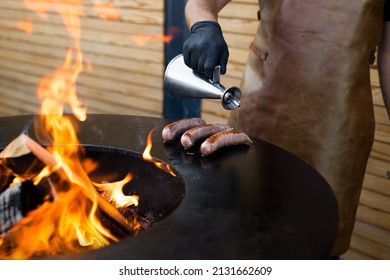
(257, 202)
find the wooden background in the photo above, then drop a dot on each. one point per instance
(123, 50)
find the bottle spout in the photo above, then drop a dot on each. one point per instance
(231, 99)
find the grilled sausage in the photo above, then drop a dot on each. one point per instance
(191, 136)
(174, 129)
(223, 139)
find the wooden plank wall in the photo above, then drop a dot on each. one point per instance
(122, 45)
(126, 54)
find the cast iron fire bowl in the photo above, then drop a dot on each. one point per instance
(257, 202)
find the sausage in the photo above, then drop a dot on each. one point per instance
(191, 136)
(223, 139)
(174, 129)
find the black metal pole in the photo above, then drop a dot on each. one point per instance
(175, 26)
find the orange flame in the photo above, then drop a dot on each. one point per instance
(172, 32)
(25, 26)
(146, 155)
(141, 40)
(40, 7)
(115, 195)
(89, 66)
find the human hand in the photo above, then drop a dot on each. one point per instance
(206, 48)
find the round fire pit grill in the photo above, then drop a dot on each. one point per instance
(256, 202)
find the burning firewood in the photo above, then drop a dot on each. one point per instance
(23, 145)
(17, 201)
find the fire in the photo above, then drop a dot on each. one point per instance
(172, 32)
(40, 7)
(89, 66)
(146, 155)
(25, 25)
(73, 215)
(141, 40)
(114, 193)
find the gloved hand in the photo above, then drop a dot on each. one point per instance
(206, 48)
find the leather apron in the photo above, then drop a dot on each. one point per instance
(306, 88)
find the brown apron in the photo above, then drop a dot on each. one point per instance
(307, 89)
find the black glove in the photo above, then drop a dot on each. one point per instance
(206, 48)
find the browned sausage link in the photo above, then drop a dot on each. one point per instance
(174, 129)
(191, 136)
(223, 139)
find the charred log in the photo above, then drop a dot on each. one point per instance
(17, 201)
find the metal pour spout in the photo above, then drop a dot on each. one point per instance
(182, 82)
(231, 97)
